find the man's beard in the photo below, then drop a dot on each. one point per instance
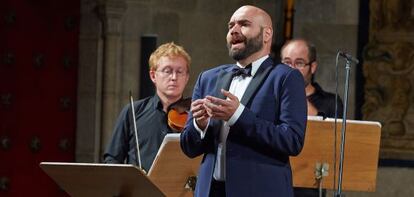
(252, 45)
(308, 79)
(307, 82)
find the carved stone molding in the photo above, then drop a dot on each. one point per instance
(111, 13)
(388, 71)
(389, 76)
(396, 15)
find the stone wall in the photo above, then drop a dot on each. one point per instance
(331, 26)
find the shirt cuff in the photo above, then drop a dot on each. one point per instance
(236, 115)
(201, 132)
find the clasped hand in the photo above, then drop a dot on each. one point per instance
(213, 107)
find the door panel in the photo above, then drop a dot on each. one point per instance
(38, 80)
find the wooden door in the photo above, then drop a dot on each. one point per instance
(38, 80)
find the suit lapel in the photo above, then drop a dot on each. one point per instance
(257, 80)
(223, 82)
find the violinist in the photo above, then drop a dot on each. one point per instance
(169, 71)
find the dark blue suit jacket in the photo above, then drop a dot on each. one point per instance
(270, 129)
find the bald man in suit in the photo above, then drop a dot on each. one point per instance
(246, 118)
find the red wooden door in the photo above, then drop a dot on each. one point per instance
(38, 80)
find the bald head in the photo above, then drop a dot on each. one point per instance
(250, 34)
(300, 43)
(262, 17)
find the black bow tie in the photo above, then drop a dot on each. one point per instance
(244, 72)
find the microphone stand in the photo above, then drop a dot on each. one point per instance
(343, 129)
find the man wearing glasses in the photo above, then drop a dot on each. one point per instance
(301, 55)
(169, 71)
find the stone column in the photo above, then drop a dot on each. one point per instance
(88, 132)
(111, 13)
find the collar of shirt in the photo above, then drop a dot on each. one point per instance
(255, 65)
(156, 102)
(182, 103)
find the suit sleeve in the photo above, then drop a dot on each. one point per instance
(191, 142)
(287, 133)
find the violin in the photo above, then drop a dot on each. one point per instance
(178, 113)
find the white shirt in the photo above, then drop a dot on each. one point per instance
(237, 87)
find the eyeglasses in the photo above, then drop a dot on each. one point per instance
(297, 64)
(168, 72)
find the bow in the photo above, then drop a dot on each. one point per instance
(244, 72)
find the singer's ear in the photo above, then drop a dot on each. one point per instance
(267, 34)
